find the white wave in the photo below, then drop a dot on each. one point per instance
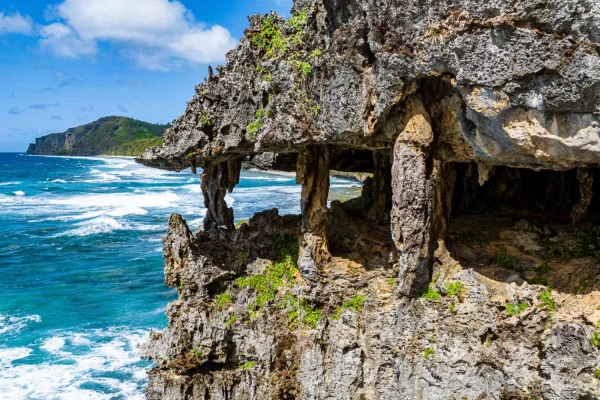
(127, 210)
(117, 200)
(53, 345)
(105, 358)
(8, 355)
(19, 193)
(9, 183)
(14, 324)
(94, 227)
(58, 181)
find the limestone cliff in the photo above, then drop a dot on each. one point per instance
(468, 268)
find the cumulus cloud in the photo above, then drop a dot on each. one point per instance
(15, 23)
(122, 109)
(14, 111)
(157, 34)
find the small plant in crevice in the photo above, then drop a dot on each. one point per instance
(547, 301)
(391, 281)
(253, 127)
(515, 309)
(430, 294)
(224, 299)
(248, 365)
(595, 339)
(300, 313)
(597, 373)
(204, 120)
(504, 261)
(197, 350)
(454, 289)
(181, 285)
(356, 303)
(192, 154)
(428, 353)
(231, 320)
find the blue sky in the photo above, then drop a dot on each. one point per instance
(64, 63)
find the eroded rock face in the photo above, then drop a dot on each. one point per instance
(451, 106)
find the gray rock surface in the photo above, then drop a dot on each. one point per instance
(452, 106)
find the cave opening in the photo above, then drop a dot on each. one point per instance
(522, 225)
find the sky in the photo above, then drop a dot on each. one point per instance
(64, 63)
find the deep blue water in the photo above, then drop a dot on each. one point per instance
(81, 267)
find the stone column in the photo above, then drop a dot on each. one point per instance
(412, 199)
(382, 189)
(585, 177)
(215, 181)
(313, 174)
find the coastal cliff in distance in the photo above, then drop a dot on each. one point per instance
(117, 136)
(469, 267)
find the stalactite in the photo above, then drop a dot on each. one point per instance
(215, 182)
(313, 174)
(585, 177)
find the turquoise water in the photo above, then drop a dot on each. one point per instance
(81, 264)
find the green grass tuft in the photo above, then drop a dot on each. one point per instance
(514, 309)
(356, 303)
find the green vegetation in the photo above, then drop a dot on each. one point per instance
(204, 120)
(223, 299)
(231, 320)
(301, 313)
(514, 309)
(454, 289)
(197, 350)
(597, 373)
(181, 284)
(391, 281)
(595, 339)
(247, 366)
(547, 301)
(504, 261)
(356, 303)
(270, 38)
(304, 69)
(430, 294)
(589, 242)
(256, 125)
(428, 353)
(275, 277)
(118, 136)
(543, 269)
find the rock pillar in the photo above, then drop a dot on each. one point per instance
(585, 177)
(313, 174)
(215, 182)
(413, 199)
(382, 188)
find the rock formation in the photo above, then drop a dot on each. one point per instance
(466, 270)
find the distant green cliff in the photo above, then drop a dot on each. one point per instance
(119, 136)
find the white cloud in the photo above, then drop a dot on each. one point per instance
(15, 23)
(157, 34)
(62, 41)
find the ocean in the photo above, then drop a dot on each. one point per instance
(82, 271)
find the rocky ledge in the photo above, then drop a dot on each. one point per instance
(469, 266)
